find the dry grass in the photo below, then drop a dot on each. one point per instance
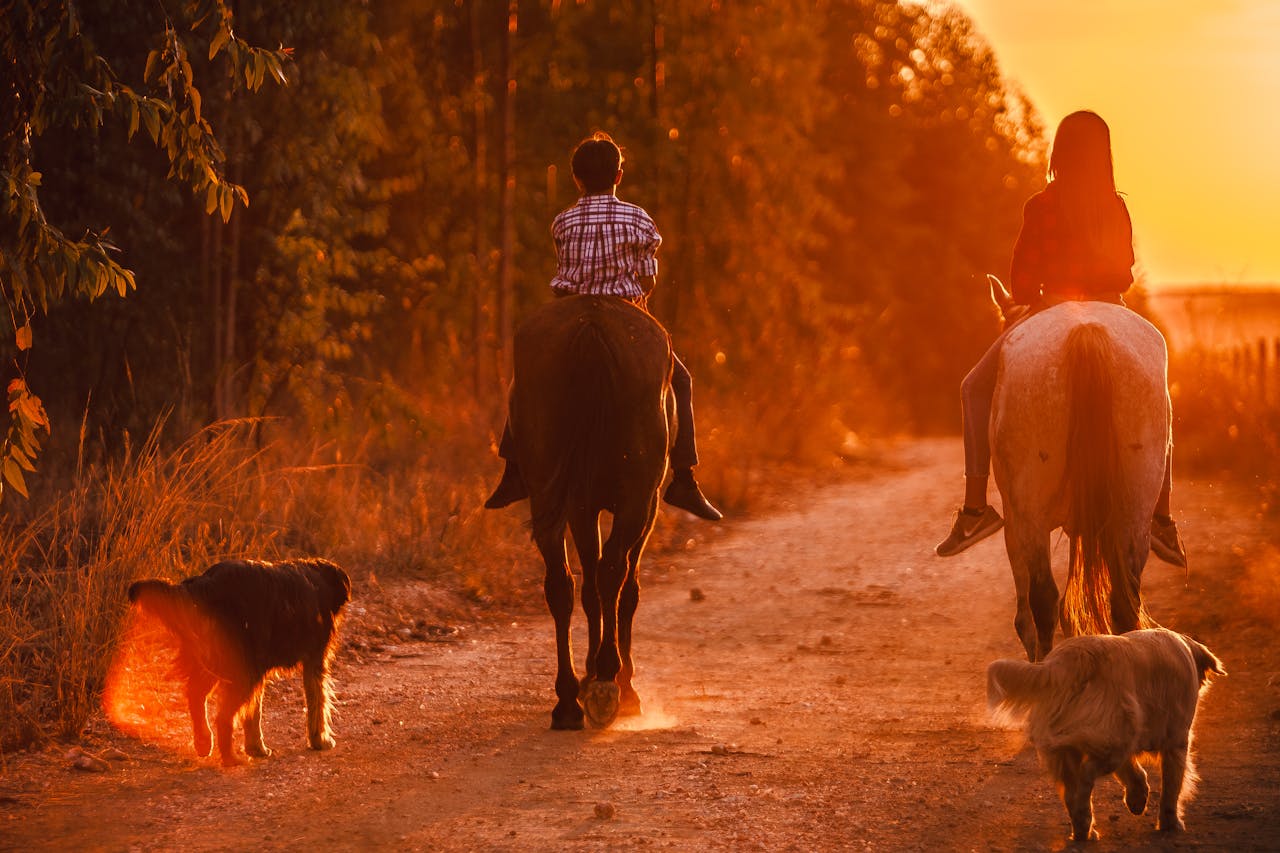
(64, 573)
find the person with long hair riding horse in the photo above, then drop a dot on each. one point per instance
(608, 247)
(1076, 243)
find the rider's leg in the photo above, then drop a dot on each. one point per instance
(684, 491)
(1165, 541)
(977, 519)
(511, 488)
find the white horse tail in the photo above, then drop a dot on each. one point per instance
(1101, 594)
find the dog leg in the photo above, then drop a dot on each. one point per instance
(1077, 795)
(199, 684)
(1134, 780)
(231, 698)
(253, 744)
(315, 683)
(1173, 769)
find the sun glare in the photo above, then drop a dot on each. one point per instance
(141, 697)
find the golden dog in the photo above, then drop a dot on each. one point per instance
(1096, 703)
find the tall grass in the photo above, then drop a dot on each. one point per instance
(65, 571)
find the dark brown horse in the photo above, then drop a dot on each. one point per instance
(591, 419)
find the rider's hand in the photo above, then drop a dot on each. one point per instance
(1015, 313)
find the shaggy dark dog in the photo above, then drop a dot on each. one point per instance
(1098, 702)
(240, 621)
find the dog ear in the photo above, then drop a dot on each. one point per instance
(339, 584)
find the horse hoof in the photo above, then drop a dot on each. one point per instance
(601, 703)
(566, 723)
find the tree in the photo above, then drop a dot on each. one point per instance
(59, 81)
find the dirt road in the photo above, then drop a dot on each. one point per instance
(827, 692)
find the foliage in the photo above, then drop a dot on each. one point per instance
(59, 81)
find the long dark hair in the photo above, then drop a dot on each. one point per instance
(1081, 171)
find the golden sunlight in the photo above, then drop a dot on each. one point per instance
(141, 696)
(1188, 87)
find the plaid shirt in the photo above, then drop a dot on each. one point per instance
(1054, 258)
(604, 247)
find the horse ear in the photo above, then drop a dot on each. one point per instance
(1000, 295)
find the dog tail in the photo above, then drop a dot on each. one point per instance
(1015, 686)
(1206, 661)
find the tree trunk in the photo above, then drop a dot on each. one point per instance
(481, 318)
(506, 279)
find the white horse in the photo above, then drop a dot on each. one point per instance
(1080, 436)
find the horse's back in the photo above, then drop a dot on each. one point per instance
(1032, 400)
(589, 405)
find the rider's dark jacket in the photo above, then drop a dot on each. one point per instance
(1055, 257)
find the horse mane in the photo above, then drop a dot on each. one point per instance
(1100, 592)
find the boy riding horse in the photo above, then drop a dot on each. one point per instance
(607, 247)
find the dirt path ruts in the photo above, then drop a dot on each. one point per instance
(827, 693)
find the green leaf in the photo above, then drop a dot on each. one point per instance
(152, 59)
(219, 41)
(29, 411)
(24, 462)
(133, 115)
(277, 70)
(224, 200)
(211, 200)
(151, 117)
(13, 475)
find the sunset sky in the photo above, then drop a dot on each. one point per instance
(1191, 89)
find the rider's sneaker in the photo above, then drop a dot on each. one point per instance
(685, 494)
(1166, 543)
(970, 528)
(510, 489)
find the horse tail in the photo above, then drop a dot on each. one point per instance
(1100, 589)
(583, 423)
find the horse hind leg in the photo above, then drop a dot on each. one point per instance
(558, 589)
(1126, 582)
(1036, 591)
(631, 525)
(628, 602)
(586, 538)
(1044, 599)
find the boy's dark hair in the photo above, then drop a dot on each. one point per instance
(596, 162)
